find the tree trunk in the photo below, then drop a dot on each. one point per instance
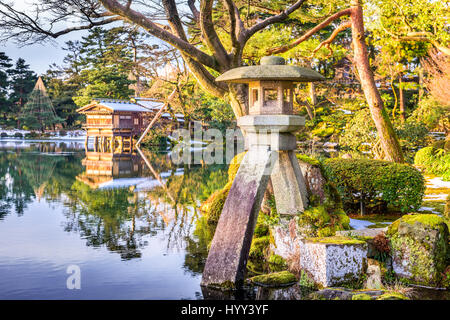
(387, 136)
(401, 99)
(312, 93)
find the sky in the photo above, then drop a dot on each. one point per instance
(40, 56)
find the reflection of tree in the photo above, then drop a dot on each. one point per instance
(197, 246)
(38, 168)
(119, 219)
(115, 218)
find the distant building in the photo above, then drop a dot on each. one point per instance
(114, 124)
(115, 118)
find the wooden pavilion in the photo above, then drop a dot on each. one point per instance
(115, 124)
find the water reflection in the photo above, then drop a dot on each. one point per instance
(136, 205)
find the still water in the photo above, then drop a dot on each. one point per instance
(130, 224)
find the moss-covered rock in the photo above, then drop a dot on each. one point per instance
(277, 260)
(259, 248)
(392, 296)
(361, 296)
(212, 207)
(320, 222)
(275, 279)
(419, 248)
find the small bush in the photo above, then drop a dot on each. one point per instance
(31, 134)
(434, 161)
(370, 181)
(18, 135)
(62, 133)
(3, 134)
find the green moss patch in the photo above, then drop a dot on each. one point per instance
(361, 296)
(392, 296)
(276, 279)
(259, 247)
(341, 240)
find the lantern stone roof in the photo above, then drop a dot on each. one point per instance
(272, 68)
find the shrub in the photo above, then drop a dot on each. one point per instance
(434, 161)
(412, 134)
(18, 135)
(360, 133)
(62, 133)
(31, 134)
(3, 134)
(371, 181)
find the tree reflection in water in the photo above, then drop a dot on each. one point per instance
(119, 204)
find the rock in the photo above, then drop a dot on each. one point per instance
(332, 294)
(392, 296)
(285, 238)
(345, 294)
(313, 178)
(419, 247)
(373, 274)
(367, 232)
(333, 260)
(347, 156)
(361, 296)
(275, 279)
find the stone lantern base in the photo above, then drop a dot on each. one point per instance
(270, 145)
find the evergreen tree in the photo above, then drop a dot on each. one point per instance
(38, 112)
(4, 67)
(107, 63)
(21, 84)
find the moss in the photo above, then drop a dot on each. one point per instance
(326, 232)
(234, 166)
(336, 240)
(275, 279)
(392, 296)
(422, 241)
(277, 260)
(447, 207)
(259, 247)
(429, 220)
(361, 296)
(307, 159)
(344, 220)
(214, 205)
(261, 228)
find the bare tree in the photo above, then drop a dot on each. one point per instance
(165, 19)
(437, 67)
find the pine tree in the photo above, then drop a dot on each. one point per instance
(4, 67)
(38, 112)
(21, 84)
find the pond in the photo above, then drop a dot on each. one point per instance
(129, 227)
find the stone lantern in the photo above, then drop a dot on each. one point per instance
(270, 145)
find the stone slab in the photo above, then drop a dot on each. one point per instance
(367, 232)
(288, 184)
(228, 255)
(331, 264)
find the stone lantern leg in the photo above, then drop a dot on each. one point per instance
(270, 143)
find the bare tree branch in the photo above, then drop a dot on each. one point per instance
(274, 19)
(311, 32)
(327, 42)
(135, 17)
